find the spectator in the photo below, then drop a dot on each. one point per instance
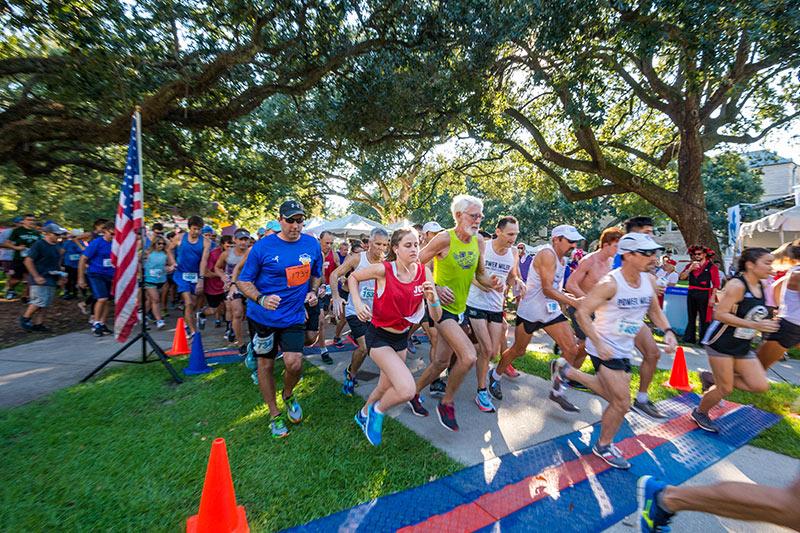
(7, 254)
(42, 264)
(100, 273)
(666, 276)
(73, 248)
(525, 260)
(703, 276)
(20, 240)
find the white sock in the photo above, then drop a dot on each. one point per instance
(495, 375)
(364, 411)
(559, 391)
(641, 397)
(378, 408)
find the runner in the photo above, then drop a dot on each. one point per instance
(378, 244)
(457, 256)
(739, 314)
(539, 309)
(214, 287)
(21, 239)
(100, 273)
(42, 263)
(786, 293)
(227, 263)
(281, 274)
(156, 265)
(192, 256)
(620, 301)
(73, 248)
(401, 285)
(485, 308)
(658, 502)
(590, 271)
(315, 326)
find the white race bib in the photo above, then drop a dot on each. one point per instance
(628, 328)
(327, 290)
(552, 306)
(155, 272)
(74, 257)
(744, 333)
(107, 262)
(24, 253)
(367, 293)
(191, 277)
(263, 345)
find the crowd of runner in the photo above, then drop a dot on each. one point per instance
(276, 292)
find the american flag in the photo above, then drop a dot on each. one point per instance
(127, 225)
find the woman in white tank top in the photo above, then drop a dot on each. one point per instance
(787, 298)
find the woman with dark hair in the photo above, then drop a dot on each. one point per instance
(786, 294)
(703, 276)
(741, 312)
(401, 285)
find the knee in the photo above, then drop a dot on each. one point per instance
(761, 386)
(652, 353)
(440, 365)
(468, 358)
(724, 388)
(294, 366)
(622, 402)
(407, 390)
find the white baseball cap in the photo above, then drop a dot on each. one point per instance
(637, 242)
(432, 226)
(568, 232)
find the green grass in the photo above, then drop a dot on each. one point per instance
(782, 398)
(128, 452)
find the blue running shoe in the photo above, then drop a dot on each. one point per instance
(278, 428)
(361, 420)
(250, 359)
(652, 517)
(349, 385)
(374, 428)
(484, 401)
(293, 410)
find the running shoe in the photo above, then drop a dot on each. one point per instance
(217, 323)
(82, 307)
(160, 324)
(438, 387)
(484, 401)
(326, 357)
(447, 416)
(243, 349)
(647, 408)
(230, 336)
(337, 341)
(278, 428)
(348, 386)
(652, 517)
(106, 331)
(250, 359)
(511, 372)
(27, 325)
(293, 410)
(97, 330)
(411, 347)
(558, 373)
(562, 402)
(706, 380)
(201, 320)
(361, 420)
(611, 455)
(40, 328)
(374, 428)
(416, 406)
(494, 386)
(10, 295)
(704, 421)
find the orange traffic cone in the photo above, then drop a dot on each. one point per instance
(218, 509)
(179, 344)
(679, 375)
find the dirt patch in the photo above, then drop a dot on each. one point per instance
(62, 317)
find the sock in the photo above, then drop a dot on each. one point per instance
(495, 375)
(324, 350)
(641, 397)
(364, 411)
(559, 391)
(660, 502)
(377, 407)
(481, 389)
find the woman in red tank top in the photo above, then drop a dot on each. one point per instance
(402, 286)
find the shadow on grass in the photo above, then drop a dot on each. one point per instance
(128, 451)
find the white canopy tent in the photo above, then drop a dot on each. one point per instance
(351, 225)
(772, 230)
(403, 223)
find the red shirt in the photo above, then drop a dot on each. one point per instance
(328, 266)
(398, 300)
(213, 285)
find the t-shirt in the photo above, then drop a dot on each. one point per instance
(667, 279)
(72, 254)
(282, 268)
(155, 267)
(23, 236)
(213, 285)
(99, 255)
(6, 254)
(46, 258)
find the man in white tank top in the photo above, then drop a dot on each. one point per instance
(376, 251)
(619, 302)
(540, 309)
(485, 308)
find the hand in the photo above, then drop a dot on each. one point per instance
(604, 351)
(82, 284)
(671, 342)
(171, 268)
(497, 283)
(767, 326)
(311, 298)
(39, 279)
(429, 291)
(364, 313)
(270, 302)
(694, 266)
(338, 306)
(198, 289)
(521, 287)
(446, 295)
(321, 290)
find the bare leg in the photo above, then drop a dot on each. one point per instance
(152, 296)
(617, 385)
(647, 346)
(188, 310)
(722, 368)
(266, 384)
(400, 388)
(237, 315)
(440, 359)
(480, 327)
(521, 340)
(770, 353)
(561, 333)
(294, 367)
(742, 501)
(459, 342)
(358, 356)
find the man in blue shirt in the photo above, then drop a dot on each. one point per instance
(100, 273)
(189, 252)
(281, 274)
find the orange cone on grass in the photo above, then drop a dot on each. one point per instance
(180, 345)
(679, 375)
(218, 510)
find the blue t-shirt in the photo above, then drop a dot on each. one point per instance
(99, 255)
(189, 255)
(155, 267)
(72, 254)
(283, 268)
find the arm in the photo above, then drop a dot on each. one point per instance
(350, 262)
(545, 265)
(685, 272)
(376, 272)
(171, 246)
(724, 312)
(249, 272)
(203, 263)
(600, 294)
(660, 320)
(28, 262)
(82, 272)
(487, 281)
(438, 246)
(574, 282)
(219, 266)
(434, 304)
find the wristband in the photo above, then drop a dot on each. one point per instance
(436, 303)
(260, 297)
(670, 330)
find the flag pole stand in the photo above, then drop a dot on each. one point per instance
(143, 334)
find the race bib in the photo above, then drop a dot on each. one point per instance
(74, 257)
(297, 275)
(107, 262)
(367, 293)
(263, 345)
(552, 306)
(155, 272)
(628, 328)
(327, 290)
(24, 253)
(744, 333)
(191, 277)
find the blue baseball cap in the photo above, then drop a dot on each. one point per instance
(208, 230)
(274, 225)
(17, 220)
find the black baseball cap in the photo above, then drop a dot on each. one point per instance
(289, 208)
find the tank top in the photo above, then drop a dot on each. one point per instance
(328, 266)
(189, 255)
(535, 307)
(231, 260)
(213, 284)
(701, 281)
(399, 301)
(790, 302)
(731, 340)
(619, 319)
(499, 265)
(155, 267)
(457, 270)
(366, 288)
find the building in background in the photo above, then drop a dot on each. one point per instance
(778, 174)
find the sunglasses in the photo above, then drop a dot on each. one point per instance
(475, 216)
(295, 220)
(646, 253)
(161, 244)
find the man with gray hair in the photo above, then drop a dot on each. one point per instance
(457, 256)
